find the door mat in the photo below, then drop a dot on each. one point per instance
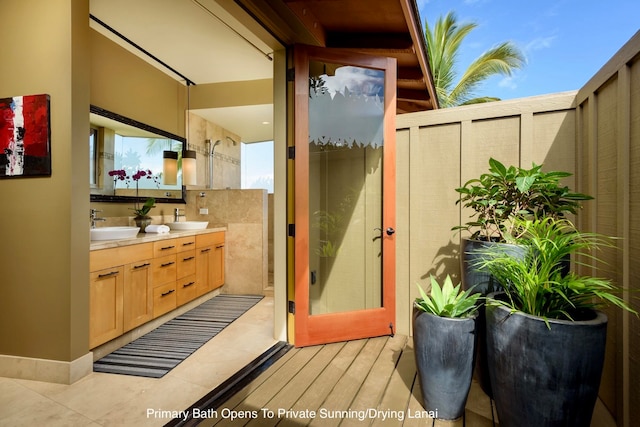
(159, 351)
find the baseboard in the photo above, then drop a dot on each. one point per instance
(51, 371)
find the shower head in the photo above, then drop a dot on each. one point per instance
(212, 146)
(232, 140)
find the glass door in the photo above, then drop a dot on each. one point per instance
(344, 195)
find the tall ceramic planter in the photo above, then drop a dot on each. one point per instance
(481, 281)
(444, 351)
(541, 376)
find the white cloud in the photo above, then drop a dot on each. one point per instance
(508, 83)
(540, 43)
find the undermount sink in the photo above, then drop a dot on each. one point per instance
(113, 233)
(188, 225)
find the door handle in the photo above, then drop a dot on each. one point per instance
(389, 231)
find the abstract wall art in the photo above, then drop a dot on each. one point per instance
(25, 136)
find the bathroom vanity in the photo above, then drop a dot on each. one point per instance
(133, 281)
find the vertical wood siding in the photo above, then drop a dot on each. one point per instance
(593, 133)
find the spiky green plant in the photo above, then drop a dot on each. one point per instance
(538, 283)
(448, 301)
(443, 45)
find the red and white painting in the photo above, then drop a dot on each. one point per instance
(25, 146)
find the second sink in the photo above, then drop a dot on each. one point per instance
(188, 225)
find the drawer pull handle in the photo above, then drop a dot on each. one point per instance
(188, 284)
(146, 264)
(167, 264)
(188, 243)
(188, 258)
(167, 247)
(111, 273)
(221, 246)
(164, 294)
(205, 250)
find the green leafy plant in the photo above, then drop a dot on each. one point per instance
(539, 283)
(145, 208)
(505, 195)
(448, 301)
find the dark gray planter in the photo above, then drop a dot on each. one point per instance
(444, 351)
(540, 376)
(483, 282)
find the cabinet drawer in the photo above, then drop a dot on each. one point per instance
(186, 289)
(186, 263)
(210, 239)
(164, 299)
(105, 258)
(164, 247)
(186, 243)
(164, 270)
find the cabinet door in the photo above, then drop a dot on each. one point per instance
(204, 280)
(105, 305)
(138, 294)
(217, 266)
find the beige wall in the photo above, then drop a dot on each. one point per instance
(44, 264)
(438, 151)
(608, 143)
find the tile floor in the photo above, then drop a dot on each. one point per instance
(120, 400)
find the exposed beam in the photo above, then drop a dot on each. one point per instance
(369, 40)
(418, 95)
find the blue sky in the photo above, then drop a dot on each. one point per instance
(565, 42)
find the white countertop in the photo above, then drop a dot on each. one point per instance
(151, 237)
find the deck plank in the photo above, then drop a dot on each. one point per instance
(397, 394)
(316, 394)
(258, 397)
(373, 379)
(301, 382)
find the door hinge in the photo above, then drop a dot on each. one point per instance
(291, 153)
(291, 74)
(292, 230)
(292, 307)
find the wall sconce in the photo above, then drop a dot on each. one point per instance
(169, 167)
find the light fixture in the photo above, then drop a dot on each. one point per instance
(169, 167)
(189, 171)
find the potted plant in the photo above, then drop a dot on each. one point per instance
(444, 339)
(498, 199)
(142, 219)
(545, 336)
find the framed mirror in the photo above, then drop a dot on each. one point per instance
(126, 160)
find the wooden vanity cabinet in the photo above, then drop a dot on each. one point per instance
(209, 262)
(131, 285)
(120, 291)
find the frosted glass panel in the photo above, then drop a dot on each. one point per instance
(345, 187)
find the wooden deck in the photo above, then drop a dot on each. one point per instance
(364, 382)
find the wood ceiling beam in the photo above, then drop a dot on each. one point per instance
(417, 95)
(377, 40)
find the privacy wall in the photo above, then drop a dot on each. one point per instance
(593, 133)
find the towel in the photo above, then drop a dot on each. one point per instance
(160, 229)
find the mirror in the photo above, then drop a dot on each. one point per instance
(120, 147)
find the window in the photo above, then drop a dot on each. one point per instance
(257, 165)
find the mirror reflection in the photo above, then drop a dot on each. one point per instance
(127, 160)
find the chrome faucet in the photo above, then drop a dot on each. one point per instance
(177, 215)
(93, 216)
